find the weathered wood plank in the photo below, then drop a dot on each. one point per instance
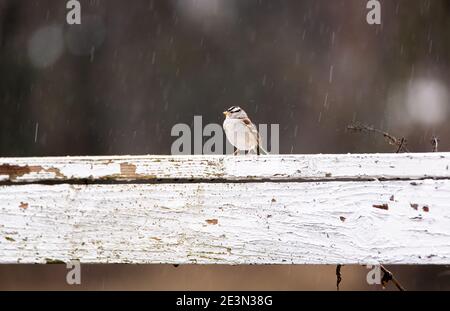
(227, 168)
(347, 222)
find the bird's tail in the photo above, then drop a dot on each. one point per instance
(261, 151)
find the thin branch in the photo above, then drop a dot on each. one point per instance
(338, 276)
(389, 276)
(435, 142)
(402, 143)
(392, 140)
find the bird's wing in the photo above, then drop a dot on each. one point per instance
(252, 128)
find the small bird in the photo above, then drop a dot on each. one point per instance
(241, 132)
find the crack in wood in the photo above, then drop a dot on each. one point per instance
(127, 180)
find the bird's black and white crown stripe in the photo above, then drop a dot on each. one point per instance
(234, 109)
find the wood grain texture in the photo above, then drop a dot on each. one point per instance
(279, 209)
(226, 168)
(366, 222)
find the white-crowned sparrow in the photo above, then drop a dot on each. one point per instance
(241, 132)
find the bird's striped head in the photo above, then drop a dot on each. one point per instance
(235, 112)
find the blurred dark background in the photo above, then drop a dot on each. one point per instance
(117, 83)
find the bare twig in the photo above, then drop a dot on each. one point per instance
(435, 142)
(402, 143)
(338, 276)
(388, 276)
(392, 140)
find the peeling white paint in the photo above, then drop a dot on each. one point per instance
(274, 167)
(223, 223)
(287, 209)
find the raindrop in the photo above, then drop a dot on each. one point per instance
(36, 131)
(325, 104)
(331, 74)
(87, 36)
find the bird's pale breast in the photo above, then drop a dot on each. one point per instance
(239, 134)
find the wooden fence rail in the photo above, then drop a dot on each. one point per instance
(284, 209)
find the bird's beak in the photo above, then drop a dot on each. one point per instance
(226, 113)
